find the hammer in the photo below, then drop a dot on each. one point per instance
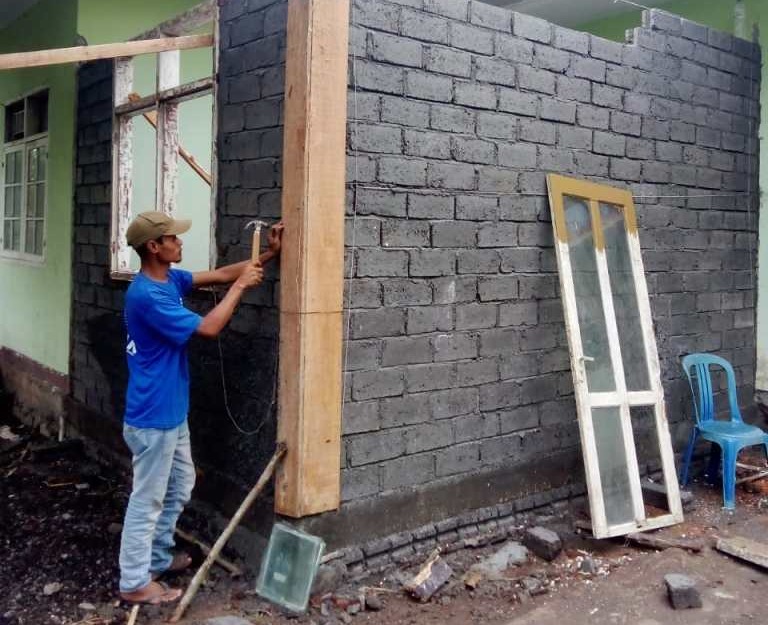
(256, 242)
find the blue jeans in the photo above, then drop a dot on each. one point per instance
(163, 477)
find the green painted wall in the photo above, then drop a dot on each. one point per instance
(36, 297)
(35, 310)
(720, 15)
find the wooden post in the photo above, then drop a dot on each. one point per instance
(312, 262)
(168, 77)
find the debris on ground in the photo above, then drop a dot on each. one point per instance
(682, 591)
(433, 574)
(69, 536)
(745, 549)
(647, 539)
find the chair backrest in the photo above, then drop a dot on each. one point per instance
(696, 367)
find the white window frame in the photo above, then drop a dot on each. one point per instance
(24, 146)
(165, 102)
(592, 195)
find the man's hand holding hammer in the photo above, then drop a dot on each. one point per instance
(243, 275)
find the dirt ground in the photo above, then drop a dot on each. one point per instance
(59, 537)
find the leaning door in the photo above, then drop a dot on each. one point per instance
(617, 383)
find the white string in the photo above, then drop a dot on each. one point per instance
(263, 422)
(354, 226)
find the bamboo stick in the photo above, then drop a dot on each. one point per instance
(202, 572)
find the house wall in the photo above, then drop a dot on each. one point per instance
(458, 391)
(36, 316)
(720, 15)
(35, 311)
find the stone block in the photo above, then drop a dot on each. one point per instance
(682, 591)
(543, 542)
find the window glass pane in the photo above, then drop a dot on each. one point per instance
(13, 201)
(648, 451)
(42, 162)
(31, 200)
(40, 205)
(612, 460)
(11, 235)
(38, 250)
(624, 298)
(29, 237)
(13, 167)
(589, 302)
(32, 164)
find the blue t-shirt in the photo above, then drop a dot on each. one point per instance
(158, 330)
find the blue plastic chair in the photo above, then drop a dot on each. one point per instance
(731, 436)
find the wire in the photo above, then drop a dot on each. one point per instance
(237, 426)
(634, 4)
(353, 243)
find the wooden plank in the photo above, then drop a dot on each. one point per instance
(312, 263)
(661, 543)
(80, 54)
(744, 549)
(184, 23)
(187, 91)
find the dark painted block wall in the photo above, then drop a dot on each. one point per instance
(457, 360)
(249, 152)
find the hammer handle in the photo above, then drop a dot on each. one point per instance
(256, 244)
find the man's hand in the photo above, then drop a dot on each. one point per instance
(275, 238)
(252, 275)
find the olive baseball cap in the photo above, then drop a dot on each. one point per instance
(152, 225)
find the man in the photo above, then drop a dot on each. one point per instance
(157, 400)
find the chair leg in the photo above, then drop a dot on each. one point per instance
(688, 455)
(730, 452)
(713, 467)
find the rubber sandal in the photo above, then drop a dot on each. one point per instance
(162, 594)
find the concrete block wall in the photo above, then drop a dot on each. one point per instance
(457, 361)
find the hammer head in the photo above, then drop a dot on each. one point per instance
(257, 224)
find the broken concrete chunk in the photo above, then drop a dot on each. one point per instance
(511, 554)
(430, 578)
(52, 588)
(745, 549)
(533, 586)
(329, 577)
(373, 603)
(543, 542)
(682, 591)
(588, 566)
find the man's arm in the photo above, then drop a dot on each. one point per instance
(213, 323)
(230, 273)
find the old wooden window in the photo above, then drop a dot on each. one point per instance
(25, 177)
(163, 149)
(617, 383)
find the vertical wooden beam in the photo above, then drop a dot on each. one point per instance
(168, 77)
(312, 263)
(122, 167)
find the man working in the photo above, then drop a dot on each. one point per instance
(157, 400)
